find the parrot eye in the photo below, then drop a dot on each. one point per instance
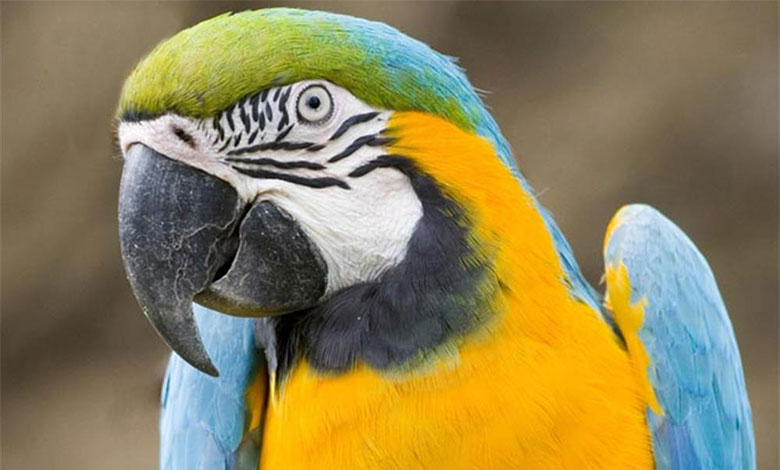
(315, 105)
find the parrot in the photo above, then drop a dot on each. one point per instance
(320, 217)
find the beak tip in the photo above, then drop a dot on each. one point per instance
(207, 368)
(201, 363)
(191, 351)
(185, 340)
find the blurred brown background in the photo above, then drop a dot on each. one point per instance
(672, 104)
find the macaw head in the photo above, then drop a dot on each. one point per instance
(282, 161)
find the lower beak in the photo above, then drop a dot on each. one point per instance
(186, 235)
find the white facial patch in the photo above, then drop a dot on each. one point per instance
(298, 146)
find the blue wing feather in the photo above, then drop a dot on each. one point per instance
(202, 418)
(695, 367)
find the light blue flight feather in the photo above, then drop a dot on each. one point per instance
(695, 367)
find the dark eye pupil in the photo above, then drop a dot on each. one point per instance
(313, 102)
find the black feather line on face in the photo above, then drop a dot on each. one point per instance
(229, 116)
(382, 161)
(283, 122)
(253, 103)
(244, 117)
(261, 121)
(220, 131)
(283, 134)
(283, 100)
(283, 145)
(224, 145)
(352, 121)
(276, 163)
(372, 140)
(317, 183)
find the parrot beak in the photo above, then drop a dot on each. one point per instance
(186, 235)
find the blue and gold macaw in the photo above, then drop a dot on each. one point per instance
(379, 288)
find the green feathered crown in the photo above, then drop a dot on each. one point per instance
(206, 68)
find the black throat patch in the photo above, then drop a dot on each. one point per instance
(440, 291)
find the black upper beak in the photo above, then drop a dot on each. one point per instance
(173, 220)
(186, 235)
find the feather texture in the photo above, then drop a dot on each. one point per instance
(695, 368)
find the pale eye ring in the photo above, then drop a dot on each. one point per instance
(315, 105)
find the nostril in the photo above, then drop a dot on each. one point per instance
(183, 136)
